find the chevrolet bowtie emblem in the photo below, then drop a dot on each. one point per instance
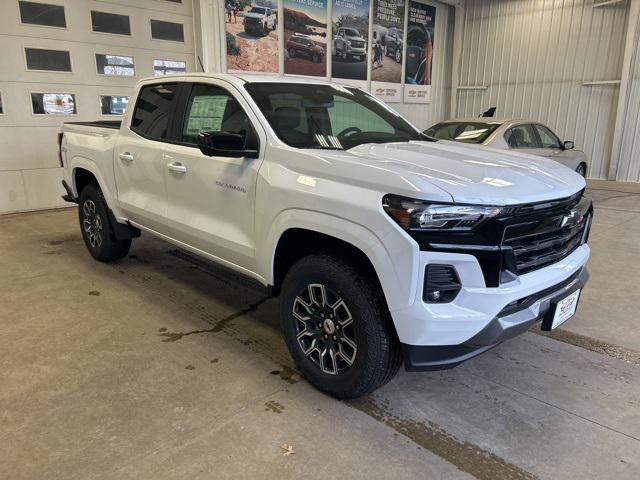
(569, 218)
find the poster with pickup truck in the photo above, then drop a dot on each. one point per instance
(350, 32)
(252, 35)
(387, 47)
(419, 53)
(305, 37)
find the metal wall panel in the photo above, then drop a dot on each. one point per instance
(423, 116)
(629, 163)
(531, 58)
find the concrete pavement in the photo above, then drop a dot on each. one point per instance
(160, 366)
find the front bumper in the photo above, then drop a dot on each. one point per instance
(513, 320)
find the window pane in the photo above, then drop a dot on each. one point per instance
(110, 23)
(115, 65)
(42, 14)
(521, 136)
(167, 31)
(467, 132)
(113, 104)
(167, 67)
(547, 137)
(1, 105)
(53, 60)
(212, 109)
(53, 103)
(153, 109)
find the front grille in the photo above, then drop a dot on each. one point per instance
(541, 242)
(357, 44)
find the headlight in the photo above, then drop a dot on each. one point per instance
(413, 214)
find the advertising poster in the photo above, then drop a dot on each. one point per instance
(387, 47)
(419, 53)
(252, 35)
(305, 37)
(350, 31)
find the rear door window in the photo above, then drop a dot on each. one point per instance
(153, 110)
(522, 136)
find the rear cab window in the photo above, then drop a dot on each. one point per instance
(152, 114)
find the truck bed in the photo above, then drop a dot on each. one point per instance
(115, 124)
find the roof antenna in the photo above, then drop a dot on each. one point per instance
(200, 62)
(489, 113)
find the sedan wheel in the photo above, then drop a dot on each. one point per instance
(581, 170)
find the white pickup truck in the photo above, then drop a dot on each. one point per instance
(384, 245)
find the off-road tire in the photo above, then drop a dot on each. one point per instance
(378, 355)
(108, 248)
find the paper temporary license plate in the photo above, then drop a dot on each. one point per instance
(565, 309)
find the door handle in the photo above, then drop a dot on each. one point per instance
(177, 167)
(126, 156)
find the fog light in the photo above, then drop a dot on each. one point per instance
(441, 284)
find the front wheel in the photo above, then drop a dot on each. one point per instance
(96, 228)
(398, 55)
(337, 327)
(581, 170)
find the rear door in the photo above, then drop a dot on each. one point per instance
(139, 165)
(211, 199)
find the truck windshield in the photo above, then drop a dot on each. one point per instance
(259, 10)
(351, 32)
(329, 116)
(467, 132)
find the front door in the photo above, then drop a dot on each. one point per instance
(138, 164)
(211, 199)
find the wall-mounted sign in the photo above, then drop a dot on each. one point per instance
(419, 53)
(387, 49)
(305, 37)
(252, 35)
(350, 42)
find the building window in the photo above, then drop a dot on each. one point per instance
(53, 103)
(115, 65)
(167, 31)
(167, 67)
(42, 14)
(113, 104)
(110, 23)
(51, 60)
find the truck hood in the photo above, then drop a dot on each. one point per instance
(471, 174)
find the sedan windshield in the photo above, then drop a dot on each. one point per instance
(328, 116)
(467, 132)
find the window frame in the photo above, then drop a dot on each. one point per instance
(151, 20)
(37, 25)
(168, 60)
(130, 34)
(95, 58)
(524, 124)
(26, 62)
(172, 113)
(111, 115)
(559, 142)
(54, 115)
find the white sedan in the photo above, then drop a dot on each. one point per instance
(512, 133)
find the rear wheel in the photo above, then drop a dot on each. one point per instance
(96, 228)
(337, 327)
(292, 53)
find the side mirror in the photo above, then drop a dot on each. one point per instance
(568, 145)
(224, 144)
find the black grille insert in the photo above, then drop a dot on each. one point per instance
(441, 284)
(544, 241)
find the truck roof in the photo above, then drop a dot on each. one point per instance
(240, 78)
